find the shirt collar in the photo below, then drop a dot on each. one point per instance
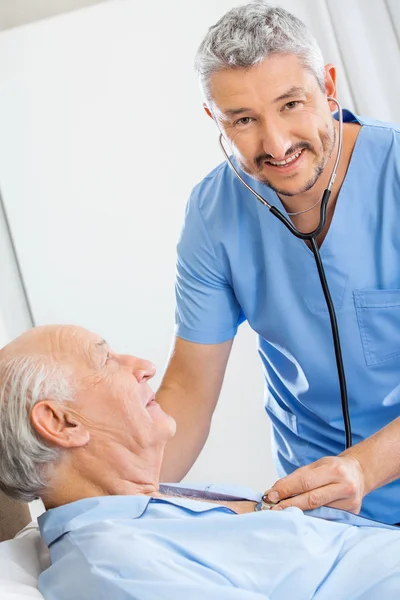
(55, 522)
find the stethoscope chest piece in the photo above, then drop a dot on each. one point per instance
(264, 504)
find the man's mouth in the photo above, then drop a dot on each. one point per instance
(151, 400)
(284, 164)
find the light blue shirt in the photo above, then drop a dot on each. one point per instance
(236, 261)
(137, 547)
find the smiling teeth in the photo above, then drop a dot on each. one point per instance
(285, 162)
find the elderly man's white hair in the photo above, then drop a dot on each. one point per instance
(248, 34)
(26, 460)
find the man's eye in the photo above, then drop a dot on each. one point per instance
(243, 121)
(108, 357)
(292, 104)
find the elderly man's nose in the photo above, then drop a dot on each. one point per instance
(143, 369)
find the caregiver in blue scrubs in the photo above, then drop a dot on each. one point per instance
(266, 87)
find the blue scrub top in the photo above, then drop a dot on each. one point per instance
(236, 261)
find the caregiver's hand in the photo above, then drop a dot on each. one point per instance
(336, 481)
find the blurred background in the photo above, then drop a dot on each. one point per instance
(102, 137)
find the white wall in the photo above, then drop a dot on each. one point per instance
(3, 332)
(15, 315)
(14, 310)
(14, 13)
(102, 138)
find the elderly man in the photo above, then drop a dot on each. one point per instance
(269, 93)
(80, 427)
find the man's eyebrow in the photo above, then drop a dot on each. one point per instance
(232, 112)
(101, 343)
(295, 89)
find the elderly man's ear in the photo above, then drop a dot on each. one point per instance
(59, 426)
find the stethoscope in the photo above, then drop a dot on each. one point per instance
(311, 237)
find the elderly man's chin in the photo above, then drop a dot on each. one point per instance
(161, 419)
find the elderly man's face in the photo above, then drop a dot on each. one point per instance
(276, 111)
(112, 399)
(114, 396)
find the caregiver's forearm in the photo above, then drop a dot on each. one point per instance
(379, 456)
(189, 393)
(192, 429)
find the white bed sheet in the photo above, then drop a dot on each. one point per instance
(22, 559)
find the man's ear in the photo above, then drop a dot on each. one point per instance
(330, 83)
(208, 111)
(57, 424)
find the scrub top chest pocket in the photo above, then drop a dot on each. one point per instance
(378, 315)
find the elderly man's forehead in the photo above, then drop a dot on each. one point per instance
(69, 335)
(53, 340)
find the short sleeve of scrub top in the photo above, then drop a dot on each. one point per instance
(207, 310)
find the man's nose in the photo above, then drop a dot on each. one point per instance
(142, 369)
(276, 140)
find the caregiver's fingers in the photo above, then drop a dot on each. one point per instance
(322, 472)
(335, 495)
(343, 470)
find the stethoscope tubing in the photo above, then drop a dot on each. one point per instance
(312, 238)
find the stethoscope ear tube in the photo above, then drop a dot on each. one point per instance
(312, 236)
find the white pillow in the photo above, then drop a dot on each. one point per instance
(21, 561)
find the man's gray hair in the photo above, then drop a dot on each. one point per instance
(248, 34)
(25, 459)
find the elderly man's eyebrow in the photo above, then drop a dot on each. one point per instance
(233, 112)
(101, 343)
